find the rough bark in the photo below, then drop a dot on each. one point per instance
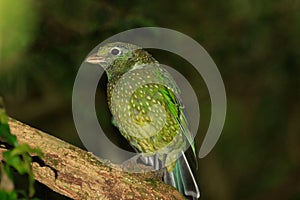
(78, 174)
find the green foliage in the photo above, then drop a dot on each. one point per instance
(5, 134)
(17, 158)
(4, 195)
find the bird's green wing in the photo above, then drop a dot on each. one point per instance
(176, 109)
(175, 105)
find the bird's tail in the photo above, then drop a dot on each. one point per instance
(182, 178)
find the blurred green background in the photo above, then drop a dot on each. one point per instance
(255, 44)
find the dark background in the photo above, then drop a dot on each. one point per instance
(255, 44)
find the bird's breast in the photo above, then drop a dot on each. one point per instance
(139, 108)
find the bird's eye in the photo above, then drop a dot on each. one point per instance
(115, 51)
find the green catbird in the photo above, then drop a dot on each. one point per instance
(146, 107)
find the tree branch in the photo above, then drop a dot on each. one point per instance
(78, 174)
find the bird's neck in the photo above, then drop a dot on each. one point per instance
(119, 67)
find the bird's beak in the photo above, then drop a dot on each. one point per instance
(95, 59)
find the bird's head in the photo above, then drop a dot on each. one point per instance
(112, 52)
(119, 57)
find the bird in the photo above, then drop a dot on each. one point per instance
(146, 107)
